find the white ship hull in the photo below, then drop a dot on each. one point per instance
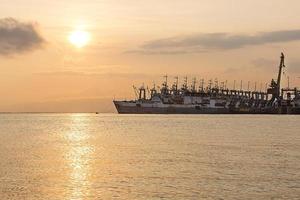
(124, 107)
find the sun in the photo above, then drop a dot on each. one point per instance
(79, 38)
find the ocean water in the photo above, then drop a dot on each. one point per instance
(110, 156)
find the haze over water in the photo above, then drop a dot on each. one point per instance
(109, 156)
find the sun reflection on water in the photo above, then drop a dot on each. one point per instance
(79, 155)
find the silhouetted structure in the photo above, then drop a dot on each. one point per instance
(214, 98)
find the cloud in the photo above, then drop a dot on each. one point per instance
(154, 52)
(65, 73)
(216, 41)
(265, 64)
(109, 75)
(234, 70)
(292, 66)
(18, 37)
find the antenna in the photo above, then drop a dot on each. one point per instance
(148, 90)
(260, 86)
(209, 84)
(166, 80)
(175, 84)
(234, 85)
(202, 84)
(194, 84)
(216, 83)
(135, 91)
(266, 87)
(222, 85)
(248, 86)
(185, 83)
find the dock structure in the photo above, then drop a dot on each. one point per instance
(215, 97)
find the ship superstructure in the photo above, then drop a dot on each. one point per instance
(213, 98)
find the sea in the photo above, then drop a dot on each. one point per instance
(111, 156)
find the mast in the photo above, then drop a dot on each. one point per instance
(201, 87)
(142, 92)
(234, 85)
(216, 83)
(241, 88)
(164, 90)
(166, 81)
(185, 86)
(175, 85)
(193, 86)
(153, 90)
(209, 84)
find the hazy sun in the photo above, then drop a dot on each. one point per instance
(79, 38)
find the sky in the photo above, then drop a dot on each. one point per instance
(135, 42)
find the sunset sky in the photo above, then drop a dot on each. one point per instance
(120, 43)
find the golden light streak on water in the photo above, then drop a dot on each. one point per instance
(79, 156)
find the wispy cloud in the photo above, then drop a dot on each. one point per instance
(295, 67)
(215, 41)
(265, 64)
(18, 37)
(269, 65)
(96, 74)
(157, 52)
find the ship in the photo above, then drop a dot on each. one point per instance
(213, 98)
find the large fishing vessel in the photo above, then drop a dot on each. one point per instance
(213, 99)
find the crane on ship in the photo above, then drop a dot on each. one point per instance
(275, 88)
